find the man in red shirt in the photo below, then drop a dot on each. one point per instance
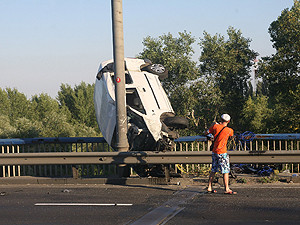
(220, 158)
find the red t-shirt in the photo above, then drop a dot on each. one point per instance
(220, 145)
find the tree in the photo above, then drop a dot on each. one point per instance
(45, 116)
(55, 124)
(175, 53)
(191, 96)
(5, 103)
(256, 114)
(52, 118)
(6, 129)
(199, 101)
(280, 71)
(19, 105)
(78, 103)
(25, 128)
(43, 105)
(228, 63)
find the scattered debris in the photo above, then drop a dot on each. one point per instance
(250, 169)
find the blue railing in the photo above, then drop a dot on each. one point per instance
(50, 140)
(255, 137)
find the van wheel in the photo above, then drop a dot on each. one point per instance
(176, 122)
(157, 69)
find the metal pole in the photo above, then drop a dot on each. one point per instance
(119, 69)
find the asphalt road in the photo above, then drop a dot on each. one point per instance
(114, 204)
(252, 205)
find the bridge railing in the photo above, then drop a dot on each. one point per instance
(259, 142)
(244, 142)
(44, 145)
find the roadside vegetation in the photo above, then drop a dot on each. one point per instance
(219, 82)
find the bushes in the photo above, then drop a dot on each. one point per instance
(43, 116)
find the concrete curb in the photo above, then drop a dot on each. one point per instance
(249, 179)
(116, 181)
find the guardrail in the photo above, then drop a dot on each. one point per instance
(146, 157)
(61, 157)
(54, 145)
(247, 141)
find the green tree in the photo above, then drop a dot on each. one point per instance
(228, 64)
(256, 114)
(199, 101)
(78, 103)
(55, 124)
(45, 116)
(175, 53)
(6, 129)
(5, 103)
(25, 128)
(43, 105)
(51, 117)
(192, 95)
(19, 105)
(280, 72)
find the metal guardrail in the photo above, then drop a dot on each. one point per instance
(48, 140)
(149, 157)
(282, 136)
(92, 156)
(53, 145)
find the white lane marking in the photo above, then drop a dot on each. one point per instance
(82, 204)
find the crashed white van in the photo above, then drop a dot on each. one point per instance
(151, 119)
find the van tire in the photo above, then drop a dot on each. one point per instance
(157, 69)
(176, 122)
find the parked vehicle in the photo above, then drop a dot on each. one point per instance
(152, 122)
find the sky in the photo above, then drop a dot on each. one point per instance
(46, 43)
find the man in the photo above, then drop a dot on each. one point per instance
(220, 158)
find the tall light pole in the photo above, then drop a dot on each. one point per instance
(119, 69)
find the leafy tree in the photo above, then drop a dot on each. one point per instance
(227, 63)
(6, 129)
(25, 128)
(208, 101)
(43, 105)
(19, 105)
(55, 124)
(195, 95)
(175, 53)
(81, 130)
(78, 103)
(257, 114)
(66, 99)
(280, 72)
(45, 116)
(199, 102)
(5, 103)
(261, 88)
(52, 118)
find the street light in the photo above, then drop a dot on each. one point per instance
(119, 69)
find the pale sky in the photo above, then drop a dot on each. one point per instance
(44, 43)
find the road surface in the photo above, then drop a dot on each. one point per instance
(141, 204)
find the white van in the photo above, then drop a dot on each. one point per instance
(151, 119)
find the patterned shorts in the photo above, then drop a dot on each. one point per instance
(220, 162)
